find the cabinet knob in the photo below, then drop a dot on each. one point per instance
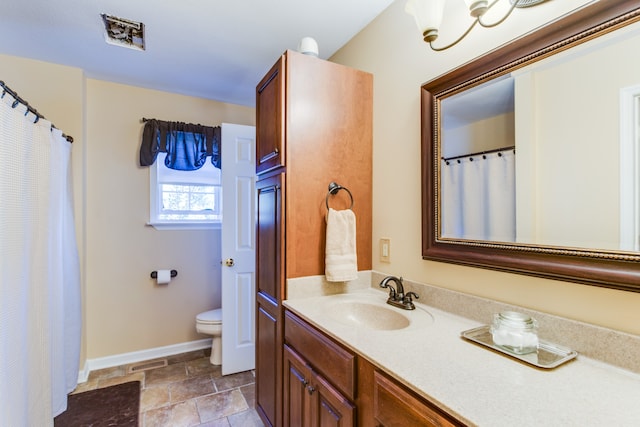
(310, 389)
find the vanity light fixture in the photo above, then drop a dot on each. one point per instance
(429, 13)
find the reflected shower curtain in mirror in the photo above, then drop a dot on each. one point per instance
(39, 271)
(478, 197)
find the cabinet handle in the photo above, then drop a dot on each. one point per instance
(270, 156)
(310, 389)
(271, 189)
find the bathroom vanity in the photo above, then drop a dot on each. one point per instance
(426, 374)
(327, 384)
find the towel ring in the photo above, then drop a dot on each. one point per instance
(333, 190)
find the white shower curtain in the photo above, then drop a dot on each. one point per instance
(478, 197)
(40, 318)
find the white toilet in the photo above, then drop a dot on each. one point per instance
(210, 323)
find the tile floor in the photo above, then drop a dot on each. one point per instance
(189, 391)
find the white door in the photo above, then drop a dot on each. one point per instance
(630, 168)
(238, 248)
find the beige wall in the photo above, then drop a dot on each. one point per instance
(126, 310)
(391, 48)
(123, 309)
(576, 116)
(486, 134)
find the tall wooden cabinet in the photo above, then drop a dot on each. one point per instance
(314, 126)
(269, 295)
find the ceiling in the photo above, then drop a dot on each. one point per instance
(490, 99)
(216, 49)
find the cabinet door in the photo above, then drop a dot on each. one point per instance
(329, 408)
(269, 238)
(270, 99)
(267, 361)
(309, 399)
(270, 288)
(296, 404)
(394, 406)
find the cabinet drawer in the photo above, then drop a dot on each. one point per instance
(324, 355)
(393, 405)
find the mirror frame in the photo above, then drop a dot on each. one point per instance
(611, 269)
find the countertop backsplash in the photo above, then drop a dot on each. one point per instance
(588, 340)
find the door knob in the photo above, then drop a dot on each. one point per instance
(229, 262)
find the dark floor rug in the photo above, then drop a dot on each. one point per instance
(117, 405)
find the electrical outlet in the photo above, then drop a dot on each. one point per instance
(385, 250)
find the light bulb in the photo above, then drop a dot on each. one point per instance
(428, 15)
(477, 7)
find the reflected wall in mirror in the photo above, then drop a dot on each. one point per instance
(531, 153)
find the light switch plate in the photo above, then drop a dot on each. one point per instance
(385, 250)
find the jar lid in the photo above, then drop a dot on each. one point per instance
(515, 319)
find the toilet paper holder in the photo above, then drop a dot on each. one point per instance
(154, 274)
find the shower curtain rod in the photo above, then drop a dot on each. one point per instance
(6, 89)
(479, 153)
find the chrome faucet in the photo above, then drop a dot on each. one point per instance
(397, 297)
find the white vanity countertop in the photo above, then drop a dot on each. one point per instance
(478, 385)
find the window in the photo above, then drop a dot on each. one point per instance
(185, 199)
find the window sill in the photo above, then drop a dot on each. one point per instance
(190, 225)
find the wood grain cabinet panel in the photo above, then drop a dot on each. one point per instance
(269, 231)
(395, 406)
(267, 363)
(327, 357)
(310, 400)
(270, 288)
(270, 119)
(296, 404)
(329, 408)
(329, 128)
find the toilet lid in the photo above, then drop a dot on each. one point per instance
(211, 316)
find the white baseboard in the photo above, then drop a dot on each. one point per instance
(139, 356)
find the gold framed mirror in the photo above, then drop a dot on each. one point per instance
(544, 193)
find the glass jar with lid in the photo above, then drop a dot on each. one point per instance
(515, 332)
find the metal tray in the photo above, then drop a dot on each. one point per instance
(548, 355)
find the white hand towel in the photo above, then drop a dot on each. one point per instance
(340, 260)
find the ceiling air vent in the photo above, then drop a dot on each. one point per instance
(123, 32)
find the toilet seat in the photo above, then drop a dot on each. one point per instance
(211, 317)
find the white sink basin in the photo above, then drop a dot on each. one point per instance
(370, 316)
(368, 311)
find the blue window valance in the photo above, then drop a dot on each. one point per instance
(187, 145)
